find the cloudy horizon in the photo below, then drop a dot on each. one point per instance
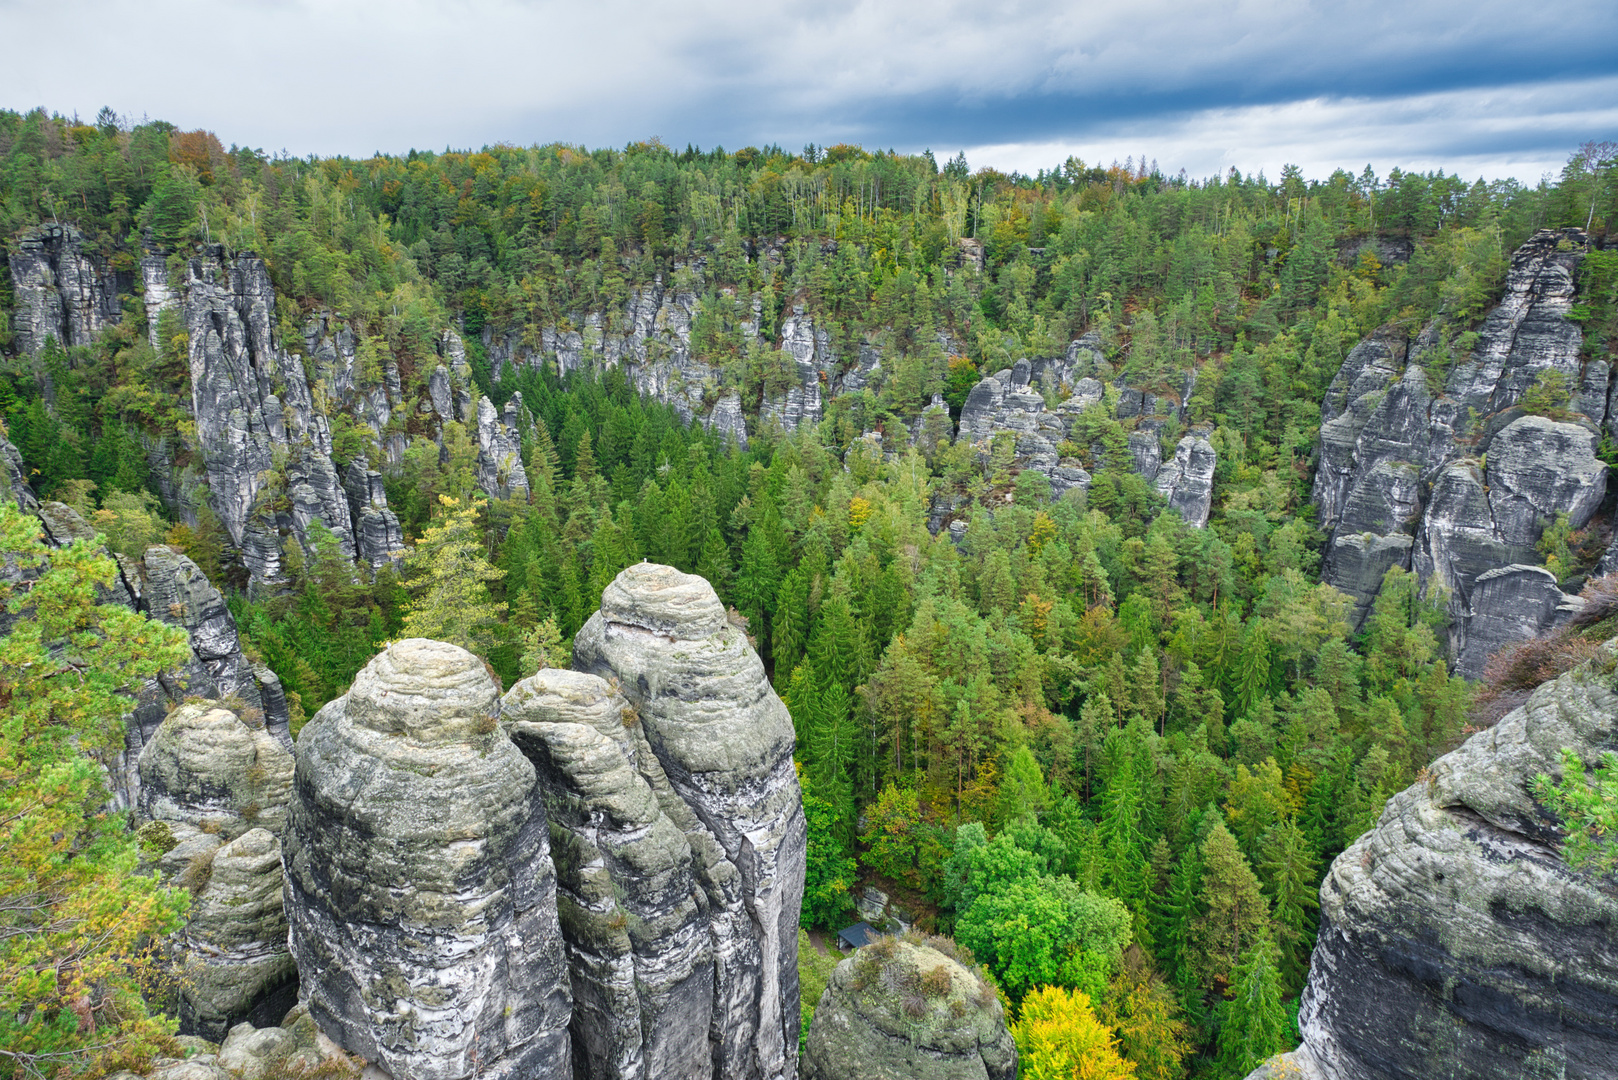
(1250, 84)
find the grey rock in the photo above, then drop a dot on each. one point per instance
(14, 486)
(251, 1052)
(421, 895)
(500, 469)
(213, 769)
(1458, 485)
(61, 291)
(1186, 480)
(724, 742)
(1454, 940)
(863, 1028)
(639, 945)
(235, 962)
(264, 443)
(727, 419)
(1509, 605)
(378, 536)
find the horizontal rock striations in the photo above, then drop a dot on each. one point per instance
(639, 943)
(234, 960)
(1455, 480)
(905, 1011)
(420, 891)
(724, 742)
(1454, 941)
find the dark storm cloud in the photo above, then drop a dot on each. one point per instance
(1191, 83)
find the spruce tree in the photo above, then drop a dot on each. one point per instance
(1254, 1024)
(1236, 914)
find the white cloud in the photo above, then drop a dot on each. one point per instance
(350, 76)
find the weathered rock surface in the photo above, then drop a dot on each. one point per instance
(420, 890)
(500, 470)
(724, 743)
(235, 962)
(214, 769)
(639, 944)
(885, 1015)
(378, 537)
(1186, 480)
(1454, 940)
(1459, 484)
(61, 291)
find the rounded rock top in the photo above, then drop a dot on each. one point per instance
(427, 691)
(661, 599)
(559, 694)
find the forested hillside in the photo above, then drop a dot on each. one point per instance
(1105, 747)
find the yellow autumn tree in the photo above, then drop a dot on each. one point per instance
(1059, 1038)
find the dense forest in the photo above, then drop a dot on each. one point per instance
(1106, 751)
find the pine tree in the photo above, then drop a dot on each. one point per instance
(80, 916)
(789, 628)
(449, 583)
(1291, 874)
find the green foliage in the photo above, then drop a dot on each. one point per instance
(76, 953)
(829, 877)
(449, 583)
(1587, 803)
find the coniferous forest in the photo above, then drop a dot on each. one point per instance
(1103, 750)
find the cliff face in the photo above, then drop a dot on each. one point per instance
(1454, 941)
(724, 741)
(1457, 482)
(62, 291)
(598, 875)
(420, 891)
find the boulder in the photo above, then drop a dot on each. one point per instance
(724, 743)
(1454, 940)
(902, 1010)
(420, 894)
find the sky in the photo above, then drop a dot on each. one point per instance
(1483, 87)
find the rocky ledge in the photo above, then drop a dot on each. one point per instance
(1454, 939)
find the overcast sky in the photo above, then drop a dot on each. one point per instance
(1481, 86)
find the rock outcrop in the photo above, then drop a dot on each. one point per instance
(213, 769)
(640, 947)
(1457, 482)
(500, 469)
(902, 1010)
(420, 890)
(1454, 940)
(234, 960)
(62, 291)
(724, 742)
(1014, 402)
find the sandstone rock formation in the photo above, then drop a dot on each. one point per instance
(724, 742)
(420, 891)
(1457, 482)
(901, 1010)
(640, 947)
(1454, 940)
(234, 958)
(214, 769)
(62, 292)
